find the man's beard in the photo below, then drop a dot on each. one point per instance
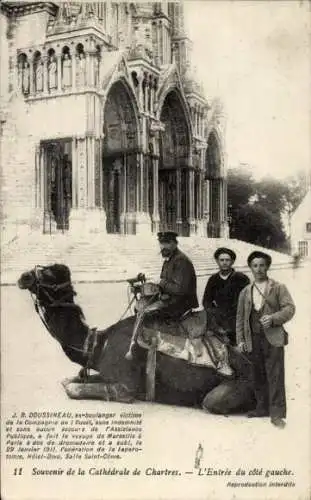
(165, 252)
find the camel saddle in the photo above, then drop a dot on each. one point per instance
(188, 339)
(182, 339)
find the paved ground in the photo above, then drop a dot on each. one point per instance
(33, 366)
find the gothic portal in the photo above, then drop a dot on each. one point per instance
(113, 132)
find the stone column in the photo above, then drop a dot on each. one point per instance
(37, 177)
(155, 215)
(147, 90)
(45, 75)
(140, 78)
(152, 97)
(74, 71)
(124, 194)
(143, 222)
(179, 221)
(86, 216)
(87, 69)
(108, 16)
(200, 222)
(20, 70)
(37, 212)
(90, 153)
(91, 54)
(224, 228)
(74, 174)
(78, 216)
(191, 219)
(141, 181)
(31, 77)
(59, 72)
(160, 29)
(156, 56)
(49, 223)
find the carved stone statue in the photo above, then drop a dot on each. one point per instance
(142, 40)
(97, 65)
(66, 71)
(39, 77)
(20, 68)
(81, 77)
(25, 77)
(148, 40)
(52, 71)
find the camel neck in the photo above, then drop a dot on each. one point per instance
(67, 326)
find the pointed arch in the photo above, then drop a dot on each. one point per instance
(171, 82)
(120, 100)
(175, 202)
(120, 155)
(175, 141)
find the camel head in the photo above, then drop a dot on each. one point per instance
(48, 283)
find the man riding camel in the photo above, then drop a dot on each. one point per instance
(177, 296)
(176, 292)
(178, 282)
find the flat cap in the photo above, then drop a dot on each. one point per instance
(228, 251)
(257, 254)
(167, 236)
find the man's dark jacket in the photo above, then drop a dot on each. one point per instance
(178, 280)
(224, 295)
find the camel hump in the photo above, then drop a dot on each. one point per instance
(195, 323)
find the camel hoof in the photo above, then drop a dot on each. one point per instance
(69, 380)
(73, 391)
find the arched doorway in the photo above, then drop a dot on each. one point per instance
(57, 183)
(120, 159)
(213, 174)
(173, 166)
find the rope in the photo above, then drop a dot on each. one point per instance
(139, 319)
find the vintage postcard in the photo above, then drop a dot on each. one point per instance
(155, 250)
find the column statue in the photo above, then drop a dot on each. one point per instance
(39, 77)
(66, 71)
(20, 69)
(81, 69)
(25, 77)
(148, 41)
(52, 73)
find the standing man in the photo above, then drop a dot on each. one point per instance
(178, 282)
(222, 291)
(263, 308)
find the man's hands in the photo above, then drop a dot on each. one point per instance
(266, 321)
(241, 347)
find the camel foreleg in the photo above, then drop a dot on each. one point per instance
(79, 379)
(99, 390)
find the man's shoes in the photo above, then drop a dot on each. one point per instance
(225, 370)
(258, 413)
(278, 422)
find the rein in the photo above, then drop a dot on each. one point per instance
(88, 349)
(38, 308)
(44, 287)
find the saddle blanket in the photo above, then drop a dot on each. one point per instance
(193, 351)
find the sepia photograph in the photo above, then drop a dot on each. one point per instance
(155, 250)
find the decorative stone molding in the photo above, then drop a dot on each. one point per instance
(155, 127)
(25, 8)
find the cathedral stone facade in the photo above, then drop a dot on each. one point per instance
(104, 127)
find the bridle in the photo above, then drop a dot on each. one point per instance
(46, 288)
(41, 306)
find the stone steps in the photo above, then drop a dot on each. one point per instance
(114, 257)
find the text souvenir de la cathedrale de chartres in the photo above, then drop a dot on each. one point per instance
(105, 124)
